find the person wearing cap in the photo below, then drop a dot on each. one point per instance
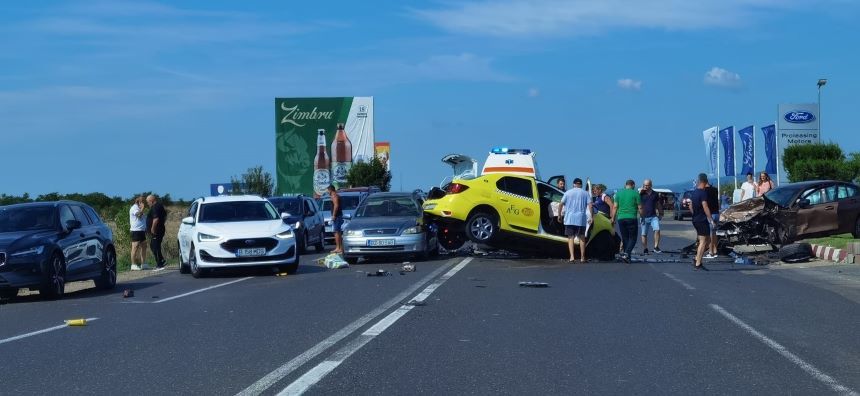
(576, 212)
(625, 210)
(703, 221)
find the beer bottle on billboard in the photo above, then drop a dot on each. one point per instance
(322, 177)
(341, 150)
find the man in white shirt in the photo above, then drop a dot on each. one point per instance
(137, 225)
(748, 188)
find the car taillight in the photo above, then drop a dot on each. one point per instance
(456, 188)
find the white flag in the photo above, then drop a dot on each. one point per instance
(711, 152)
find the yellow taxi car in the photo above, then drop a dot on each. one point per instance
(508, 207)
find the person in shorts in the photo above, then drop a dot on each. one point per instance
(703, 222)
(137, 225)
(336, 219)
(576, 211)
(652, 213)
(714, 209)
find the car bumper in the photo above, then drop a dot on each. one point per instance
(403, 244)
(213, 255)
(22, 272)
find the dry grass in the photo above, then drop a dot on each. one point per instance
(170, 246)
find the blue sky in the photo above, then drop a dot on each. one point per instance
(121, 97)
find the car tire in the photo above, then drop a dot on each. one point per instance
(856, 231)
(302, 242)
(795, 253)
(482, 227)
(196, 271)
(53, 285)
(8, 294)
(320, 245)
(107, 279)
(183, 266)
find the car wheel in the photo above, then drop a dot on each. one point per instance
(795, 253)
(8, 294)
(107, 280)
(183, 266)
(54, 281)
(482, 227)
(857, 228)
(302, 242)
(292, 268)
(320, 245)
(196, 271)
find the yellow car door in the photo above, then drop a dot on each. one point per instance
(517, 204)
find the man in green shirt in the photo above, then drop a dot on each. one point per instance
(626, 209)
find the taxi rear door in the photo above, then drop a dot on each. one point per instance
(517, 203)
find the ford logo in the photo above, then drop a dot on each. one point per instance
(799, 117)
(249, 242)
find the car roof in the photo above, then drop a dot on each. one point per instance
(43, 203)
(391, 195)
(291, 198)
(346, 194)
(232, 198)
(813, 183)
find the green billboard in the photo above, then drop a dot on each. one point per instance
(318, 139)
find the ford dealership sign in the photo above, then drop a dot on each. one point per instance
(799, 117)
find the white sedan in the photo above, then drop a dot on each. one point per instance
(235, 231)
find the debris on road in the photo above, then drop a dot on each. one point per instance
(534, 284)
(127, 293)
(379, 272)
(282, 274)
(408, 267)
(415, 303)
(333, 261)
(76, 322)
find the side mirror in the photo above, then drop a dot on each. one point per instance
(804, 203)
(72, 225)
(188, 220)
(285, 215)
(347, 216)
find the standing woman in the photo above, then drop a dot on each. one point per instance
(764, 184)
(138, 234)
(602, 201)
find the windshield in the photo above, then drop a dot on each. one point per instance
(387, 207)
(291, 206)
(782, 196)
(349, 202)
(219, 212)
(27, 218)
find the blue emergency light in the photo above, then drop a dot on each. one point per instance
(505, 150)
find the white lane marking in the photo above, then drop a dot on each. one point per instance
(202, 290)
(808, 368)
(685, 284)
(37, 332)
(289, 367)
(309, 379)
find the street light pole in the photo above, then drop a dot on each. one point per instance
(821, 83)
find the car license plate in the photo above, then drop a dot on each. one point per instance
(251, 252)
(380, 242)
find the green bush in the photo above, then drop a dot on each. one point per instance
(820, 162)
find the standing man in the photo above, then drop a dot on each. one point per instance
(155, 220)
(748, 188)
(652, 213)
(626, 208)
(557, 223)
(714, 211)
(138, 234)
(576, 210)
(703, 222)
(336, 219)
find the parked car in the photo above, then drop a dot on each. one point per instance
(793, 212)
(389, 224)
(682, 206)
(235, 231)
(44, 245)
(509, 211)
(306, 218)
(349, 200)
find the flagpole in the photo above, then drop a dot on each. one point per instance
(734, 160)
(776, 143)
(718, 160)
(754, 147)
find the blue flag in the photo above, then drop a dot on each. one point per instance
(727, 136)
(770, 148)
(710, 136)
(748, 144)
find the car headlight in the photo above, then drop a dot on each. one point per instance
(354, 232)
(207, 237)
(412, 230)
(35, 250)
(429, 206)
(298, 225)
(286, 234)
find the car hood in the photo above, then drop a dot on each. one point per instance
(244, 228)
(369, 223)
(21, 239)
(743, 211)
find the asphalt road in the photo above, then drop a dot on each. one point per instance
(458, 325)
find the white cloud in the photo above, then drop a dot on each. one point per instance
(630, 84)
(722, 78)
(533, 92)
(576, 17)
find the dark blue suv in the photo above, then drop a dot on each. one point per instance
(43, 245)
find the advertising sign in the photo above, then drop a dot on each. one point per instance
(383, 152)
(796, 124)
(710, 136)
(318, 139)
(220, 189)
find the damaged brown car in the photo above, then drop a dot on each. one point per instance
(792, 212)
